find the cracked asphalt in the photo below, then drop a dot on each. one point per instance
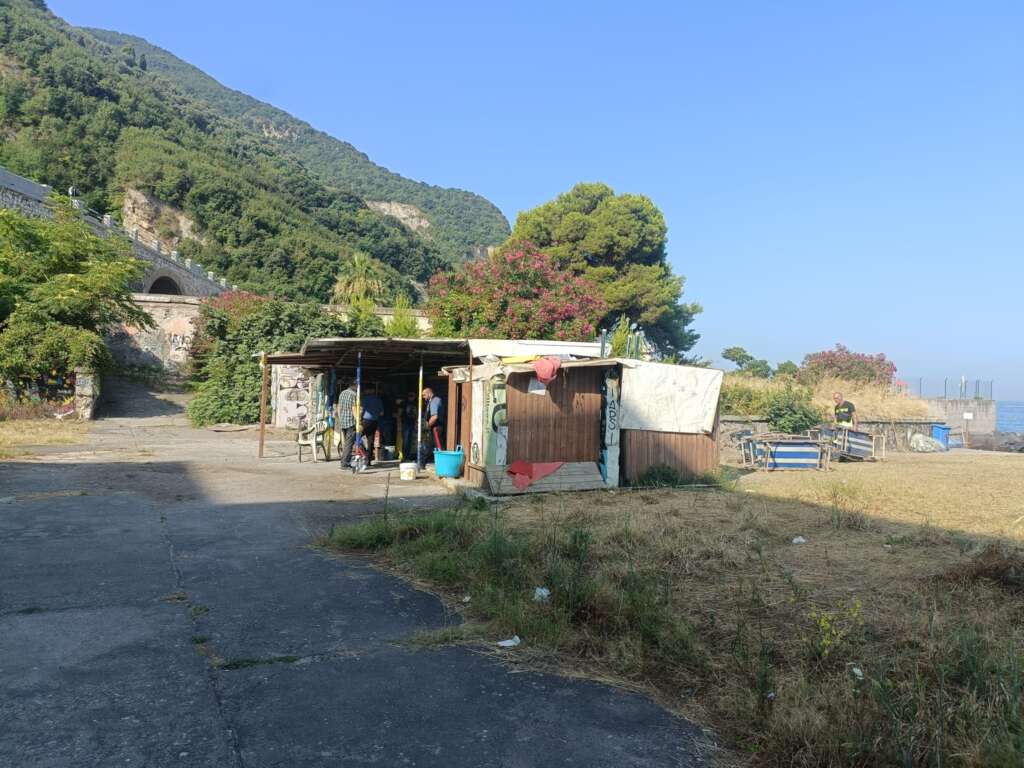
(161, 605)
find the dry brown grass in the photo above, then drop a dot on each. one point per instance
(973, 493)
(19, 436)
(872, 401)
(893, 636)
(903, 568)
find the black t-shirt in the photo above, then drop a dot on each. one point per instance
(844, 412)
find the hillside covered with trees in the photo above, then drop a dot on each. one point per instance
(459, 219)
(77, 111)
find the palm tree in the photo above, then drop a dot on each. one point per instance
(361, 275)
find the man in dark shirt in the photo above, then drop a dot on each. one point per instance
(409, 410)
(373, 411)
(846, 414)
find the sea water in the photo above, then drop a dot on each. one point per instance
(1010, 416)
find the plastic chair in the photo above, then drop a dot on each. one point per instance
(313, 437)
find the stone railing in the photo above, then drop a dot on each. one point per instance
(192, 278)
(30, 198)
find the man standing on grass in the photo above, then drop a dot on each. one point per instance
(346, 422)
(846, 414)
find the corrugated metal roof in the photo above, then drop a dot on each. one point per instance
(388, 353)
(378, 353)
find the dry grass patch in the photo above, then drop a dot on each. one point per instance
(971, 493)
(17, 437)
(879, 641)
(872, 401)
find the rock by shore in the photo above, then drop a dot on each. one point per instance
(1011, 442)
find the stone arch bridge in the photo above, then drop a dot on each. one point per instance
(167, 274)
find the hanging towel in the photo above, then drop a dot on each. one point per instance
(547, 369)
(524, 473)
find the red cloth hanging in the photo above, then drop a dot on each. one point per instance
(546, 368)
(525, 473)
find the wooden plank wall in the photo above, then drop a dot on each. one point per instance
(451, 411)
(465, 415)
(689, 455)
(458, 414)
(563, 425)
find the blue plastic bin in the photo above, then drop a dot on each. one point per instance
(448, 463)
(941, 433)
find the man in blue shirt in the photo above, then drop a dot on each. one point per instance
(433, 424)
(373, 410)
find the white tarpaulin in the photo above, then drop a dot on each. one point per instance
(669, 398)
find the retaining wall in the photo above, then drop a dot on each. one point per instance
(166, 346)
(18, 202)
(952, 413)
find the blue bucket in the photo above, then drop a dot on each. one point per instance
(448, 463)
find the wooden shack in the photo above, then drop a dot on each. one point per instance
(600, 422)
(605, 421)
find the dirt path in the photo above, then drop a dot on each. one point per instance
(160, 606)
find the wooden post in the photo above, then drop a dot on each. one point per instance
(419, 417)
(264, 389)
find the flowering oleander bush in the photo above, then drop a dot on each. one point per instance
(842, 363)
(516, 293)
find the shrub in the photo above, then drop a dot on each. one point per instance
(787, 368)
(791, 410)
(659, 476)
(517, 293)
(403, 323)
(363, 319)
(842, 363)
(743, 397)
(231, 331)
(60, 287)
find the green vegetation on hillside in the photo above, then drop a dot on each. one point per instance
(459, 219)
(76, 111)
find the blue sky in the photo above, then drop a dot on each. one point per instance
(829, 173)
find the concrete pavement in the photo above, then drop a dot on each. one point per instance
(160, 605)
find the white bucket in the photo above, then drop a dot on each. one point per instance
(407, 470)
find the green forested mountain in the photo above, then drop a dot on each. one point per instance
(75, 110)
(459, 219)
